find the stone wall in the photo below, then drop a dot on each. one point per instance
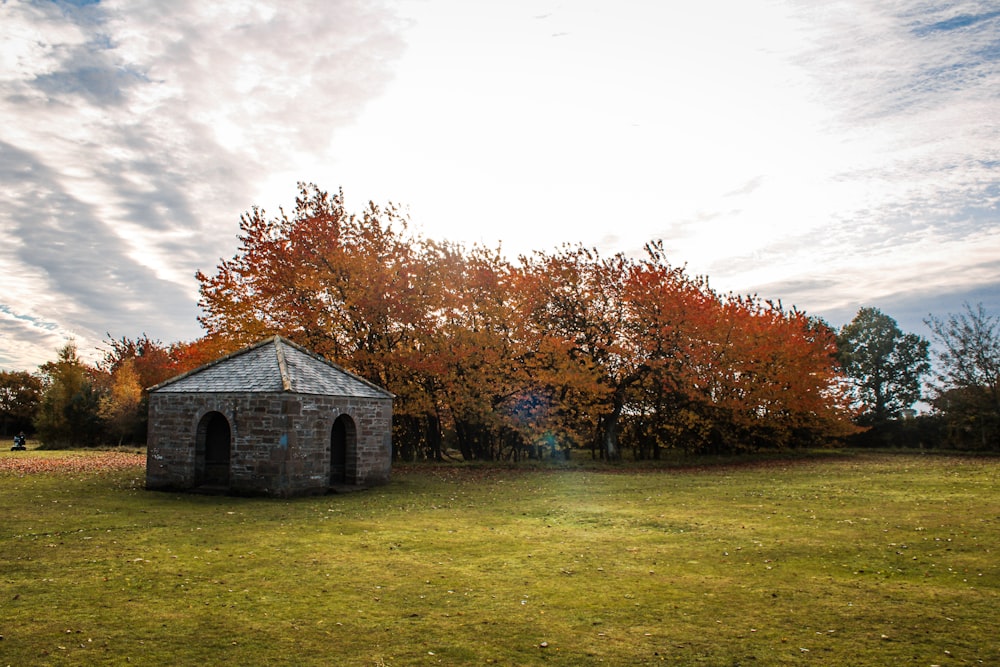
(280, 442)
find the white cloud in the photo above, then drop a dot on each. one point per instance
(141, 132)
(825, 153)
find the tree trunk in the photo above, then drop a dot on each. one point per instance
(433, 433)
(609, 427)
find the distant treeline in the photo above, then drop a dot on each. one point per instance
(555, 353)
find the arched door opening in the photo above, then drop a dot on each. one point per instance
(212, 447)
(343, 443)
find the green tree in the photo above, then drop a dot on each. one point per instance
(884, 364)
(20, 394)
(968, 378)
(69, 409)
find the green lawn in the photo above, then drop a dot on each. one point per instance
(859, 560)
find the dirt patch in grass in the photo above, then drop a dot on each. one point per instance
(33, 463)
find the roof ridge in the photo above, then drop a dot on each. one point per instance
(321, 358)
(286, 379)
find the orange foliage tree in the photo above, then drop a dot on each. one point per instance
(669, 325)
(561, 351)
(357, 289)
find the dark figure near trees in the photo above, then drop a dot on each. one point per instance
(19, 441)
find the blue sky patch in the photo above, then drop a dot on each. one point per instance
(102, 85)
(956, 23)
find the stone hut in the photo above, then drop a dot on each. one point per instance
(272, 419)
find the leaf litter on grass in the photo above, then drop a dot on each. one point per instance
(76, 463)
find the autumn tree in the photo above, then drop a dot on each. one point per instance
(331, 281)
(885, 365)
(188, 355)
(774, 377)
(354, 288)
(132, 365)
(467, 355)
(560, 351)
(20, 395)
(725, 373)
(570, 317)
(121, 407)
(668, 317)
(151, 361)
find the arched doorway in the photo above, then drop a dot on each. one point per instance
(343, 443)
(212, 450)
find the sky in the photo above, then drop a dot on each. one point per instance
(830, 154)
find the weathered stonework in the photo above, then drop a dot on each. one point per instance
(276, 437)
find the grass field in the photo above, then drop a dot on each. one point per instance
(857, 560)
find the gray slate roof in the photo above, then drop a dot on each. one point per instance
(272, 365)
